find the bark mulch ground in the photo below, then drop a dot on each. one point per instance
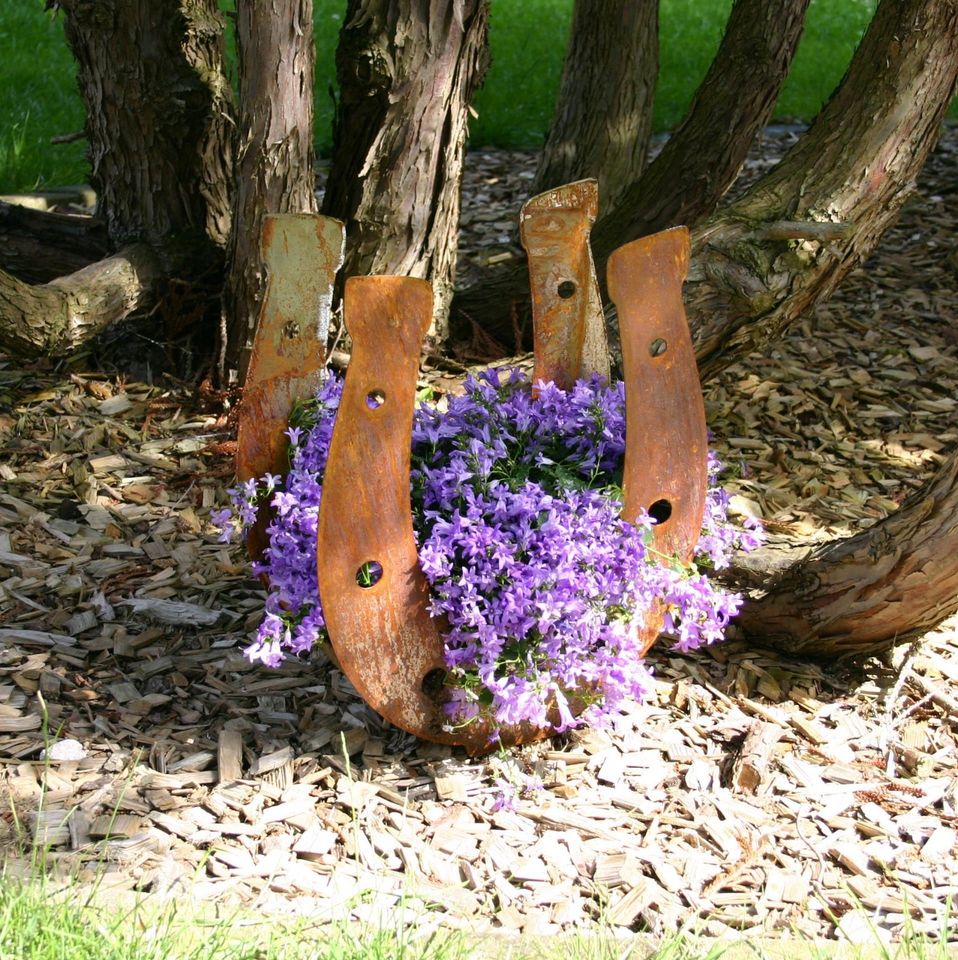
(751, 793)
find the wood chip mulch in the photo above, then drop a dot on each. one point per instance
(751, 793)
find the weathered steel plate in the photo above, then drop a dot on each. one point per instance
(666, 442)
(302, 253)
(569, 336)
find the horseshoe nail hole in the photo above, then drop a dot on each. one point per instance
(566, 289)
(375, 399)
(433, 682)
(369, 574)
(660, 511)
(657, 347)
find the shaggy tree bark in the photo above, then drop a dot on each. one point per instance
(603, 114)
(274, 166)
(788, 241)
(692, 173)
(861, 595)
(158, 105)
(407, 71)
(158, 109)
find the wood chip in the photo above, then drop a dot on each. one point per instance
(751, 767)
(229, 754)
(940, 845)
(271, 761)
(451, 788)
(175, 612)
(118, 825)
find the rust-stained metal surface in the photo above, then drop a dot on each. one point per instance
(666, 441)
(569, 336)
(382, 635)
(302, 253)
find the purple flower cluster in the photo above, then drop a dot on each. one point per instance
(293, 621)
(720, 539)
(517, 504)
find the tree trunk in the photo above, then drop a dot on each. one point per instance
(407, 71)
(788, 242)
(158, 115)
(158, 109)
(863, 594)
(603, 115)
(692, 173)
(275, 160)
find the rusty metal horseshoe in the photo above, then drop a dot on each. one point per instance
(374, 595)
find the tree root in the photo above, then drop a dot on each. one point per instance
(57, 317)
(863, 594)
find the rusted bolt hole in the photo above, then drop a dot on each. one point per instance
(375, 399)
(566, 289)
(433, 682)
(657, 347)
(660, 511)
(369, 574)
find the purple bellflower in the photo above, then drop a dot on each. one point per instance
(516, 502)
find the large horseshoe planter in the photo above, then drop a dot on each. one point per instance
(374, 595)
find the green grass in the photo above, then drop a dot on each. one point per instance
(39, 100)
(528, 39)
(44, 920)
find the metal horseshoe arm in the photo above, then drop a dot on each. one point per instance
(666, 458)
(302, 253)
(666, 441)
(374, 595)
(568, 326)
